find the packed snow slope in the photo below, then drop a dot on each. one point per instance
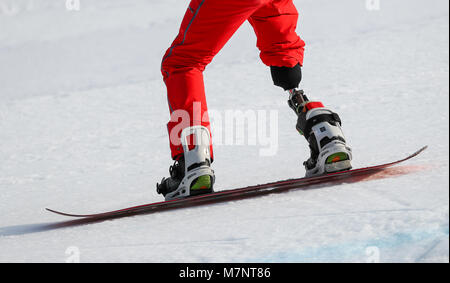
(83, 117)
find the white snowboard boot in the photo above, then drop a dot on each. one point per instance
(191, 174)
(322, 129)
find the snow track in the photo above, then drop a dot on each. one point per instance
(82, 125)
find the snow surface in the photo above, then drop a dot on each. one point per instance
(82, 129)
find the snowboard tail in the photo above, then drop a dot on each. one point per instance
(348, 176)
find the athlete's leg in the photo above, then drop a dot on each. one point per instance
(206, 27)
(282, 50)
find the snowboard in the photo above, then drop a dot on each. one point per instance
(349, 176)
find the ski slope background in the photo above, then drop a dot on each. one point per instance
(83, 117)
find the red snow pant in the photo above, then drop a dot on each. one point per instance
(206, 27)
